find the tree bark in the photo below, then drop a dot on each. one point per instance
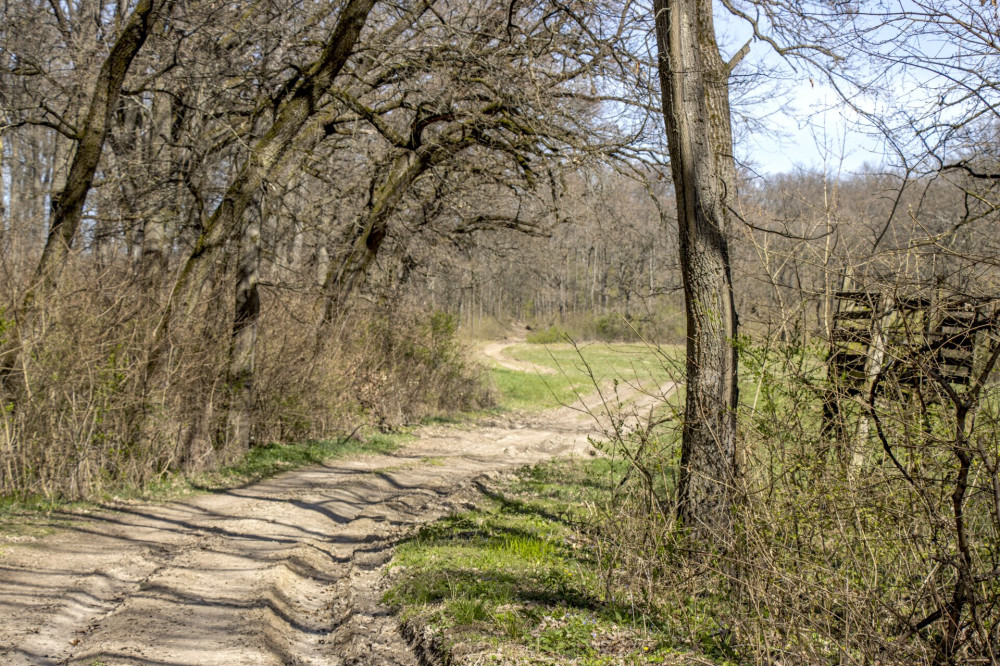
(67, 205)
(695, 86)
(244, 342)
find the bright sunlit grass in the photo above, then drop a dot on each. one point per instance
(577, 371)
(519, 579)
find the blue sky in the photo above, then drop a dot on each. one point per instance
(810, 128)
(800, 120)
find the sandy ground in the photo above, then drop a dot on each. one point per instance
(288, 571)
(497, 352)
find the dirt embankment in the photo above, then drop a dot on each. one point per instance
(283, 572)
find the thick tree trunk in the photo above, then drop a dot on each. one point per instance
(694, 80)
(150, 253)
(4, 222)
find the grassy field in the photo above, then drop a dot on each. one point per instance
(578, 369)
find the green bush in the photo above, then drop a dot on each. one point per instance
(657, 327)
(617, 328)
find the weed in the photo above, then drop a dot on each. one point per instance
(510, 623)
(468, 611)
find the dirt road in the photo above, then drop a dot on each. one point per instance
(497, 352)
(283, 572)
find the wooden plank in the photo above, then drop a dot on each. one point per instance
(858, 335)
(852, 314)
(944, 332)
(857, 296)
(964, 341)
(955, 361)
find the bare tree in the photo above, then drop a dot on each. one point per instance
(67, 205)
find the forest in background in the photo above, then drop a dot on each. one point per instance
(228, 224)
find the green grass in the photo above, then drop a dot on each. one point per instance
(266, 461)
(576, 369)
(518, 578)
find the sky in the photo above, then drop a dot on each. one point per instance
(809, 129)
(927, 71)
(805, 123)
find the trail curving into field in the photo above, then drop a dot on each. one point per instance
(497, 352)
(288, 571)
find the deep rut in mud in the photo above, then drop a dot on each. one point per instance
(288, 571)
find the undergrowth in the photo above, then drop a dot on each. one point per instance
(19, 516)
(520, 580)
(97, 405)
(666, 324)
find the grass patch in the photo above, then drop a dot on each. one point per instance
(266, 461)
(518, 579)
(578, 368)
(36, 516)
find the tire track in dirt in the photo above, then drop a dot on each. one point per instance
(287, 571)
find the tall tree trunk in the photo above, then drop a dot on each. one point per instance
(4, 223)
(161, 214)
(67, 205)
(68, 201)
(244, 343)
(268, 155)
(694, 80)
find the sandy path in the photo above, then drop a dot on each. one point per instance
(497, 352)
(283, 572)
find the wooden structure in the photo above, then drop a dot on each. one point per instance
(924, 339)
(852, 338)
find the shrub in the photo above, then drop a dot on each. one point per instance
(79, 416)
